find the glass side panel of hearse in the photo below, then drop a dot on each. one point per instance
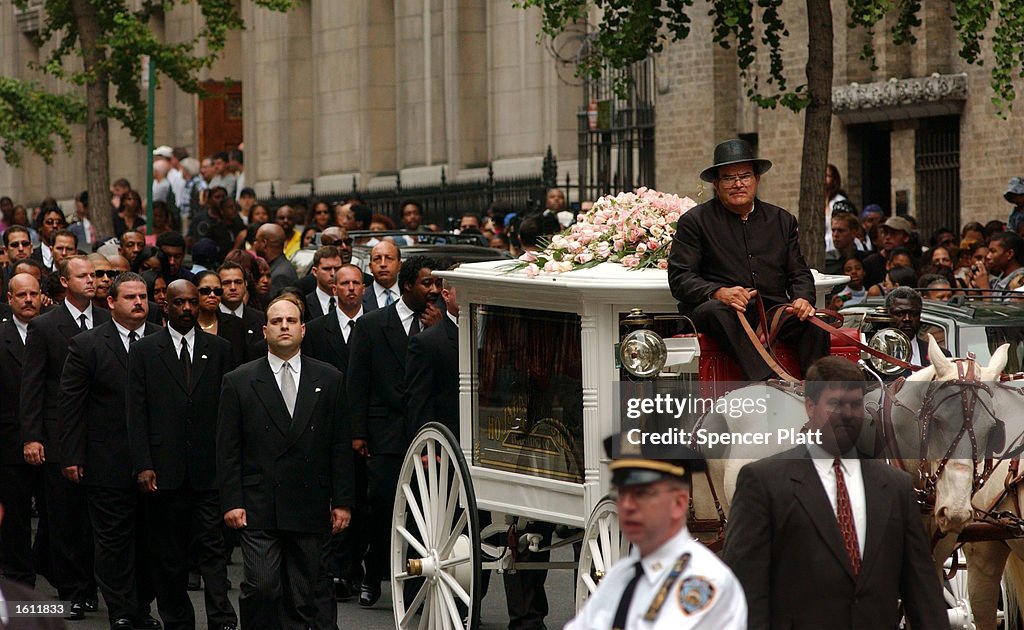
(528, 391)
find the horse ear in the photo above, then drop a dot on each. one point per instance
(942, 364)
(997, 362)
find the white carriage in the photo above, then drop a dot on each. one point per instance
(537, 368)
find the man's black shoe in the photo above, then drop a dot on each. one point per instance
(146, 623)
(195, 582)
(342, 590)
(369, 594)
(76, 611)
(91, 604)
(121, 624)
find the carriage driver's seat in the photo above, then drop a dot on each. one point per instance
(718, 367)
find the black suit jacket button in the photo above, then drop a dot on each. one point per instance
(267, 427)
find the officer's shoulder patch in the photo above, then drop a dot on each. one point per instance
(695, 594)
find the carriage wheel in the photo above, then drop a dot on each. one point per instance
(435, 542)
(603, 545)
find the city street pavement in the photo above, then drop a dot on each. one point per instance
(560, 592)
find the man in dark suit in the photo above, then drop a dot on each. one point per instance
(51, 219)
(94, 436)
(432, 370)
(269, 244)
(46, 347)
(821, 539)
(232, 280)
(321, 300)
(285, 473)
(174, 381)
(18, 481)
(385, 261)
(376, 390)
(11, 591)
(904, 305)
(327, 339)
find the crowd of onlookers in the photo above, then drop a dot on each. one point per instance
(880, 252)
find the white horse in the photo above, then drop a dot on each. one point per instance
(948, 459)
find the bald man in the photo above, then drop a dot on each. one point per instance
(385, 261)
(18, 480)
(269, 244)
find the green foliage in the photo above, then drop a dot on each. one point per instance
(33, 119)
(630, 31)
(124, 39)
(972, 18)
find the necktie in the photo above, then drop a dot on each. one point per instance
(414, 325)
(389, 299)
(132, 338)
(348, 329)
(844, 515)
(186, 361)
(83, 327)
(288, 388)
(619, 622)
(330, 307)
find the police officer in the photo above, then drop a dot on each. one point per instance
(669, 580)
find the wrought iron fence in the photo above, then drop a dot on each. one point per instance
(446, 201)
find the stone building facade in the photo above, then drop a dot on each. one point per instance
(365, 91)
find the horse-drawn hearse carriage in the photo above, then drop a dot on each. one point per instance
(542, 361)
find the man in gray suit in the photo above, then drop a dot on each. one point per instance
(821, 539)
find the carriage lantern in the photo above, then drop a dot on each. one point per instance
(879, 327)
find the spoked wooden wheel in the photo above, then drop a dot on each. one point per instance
(435, 543)
(603, 545)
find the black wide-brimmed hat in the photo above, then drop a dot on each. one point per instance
(639, 464)
(735, 151)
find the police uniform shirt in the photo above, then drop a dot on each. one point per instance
(706, 595)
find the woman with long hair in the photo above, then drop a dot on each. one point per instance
(130, 215)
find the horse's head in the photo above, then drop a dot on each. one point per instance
(951, 405)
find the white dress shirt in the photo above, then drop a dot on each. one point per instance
(454, 318)
(380, 292)
(124, 333)
(22, 328)
(343, 321)
(190, 338)
(405, 314)
(237, 312)
(277, 363)
(325, 300)
(854, 479)
(76, 314)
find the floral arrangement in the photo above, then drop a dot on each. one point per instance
(631, 228)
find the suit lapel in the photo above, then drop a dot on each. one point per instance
(877, 506)
(199, 359)
(172, 361)
(308, 393)
(67, 324)
(265, 386)
(334, 336)
(115, 344)
(12, 341)
(811, 494)
(395, 335)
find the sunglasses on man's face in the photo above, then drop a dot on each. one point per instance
(107, 273)
(214, 290)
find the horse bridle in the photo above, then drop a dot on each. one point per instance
(969, 388)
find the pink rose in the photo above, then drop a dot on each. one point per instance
(631, 261)
(532, 271)
(528, 257)
(662, 263)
